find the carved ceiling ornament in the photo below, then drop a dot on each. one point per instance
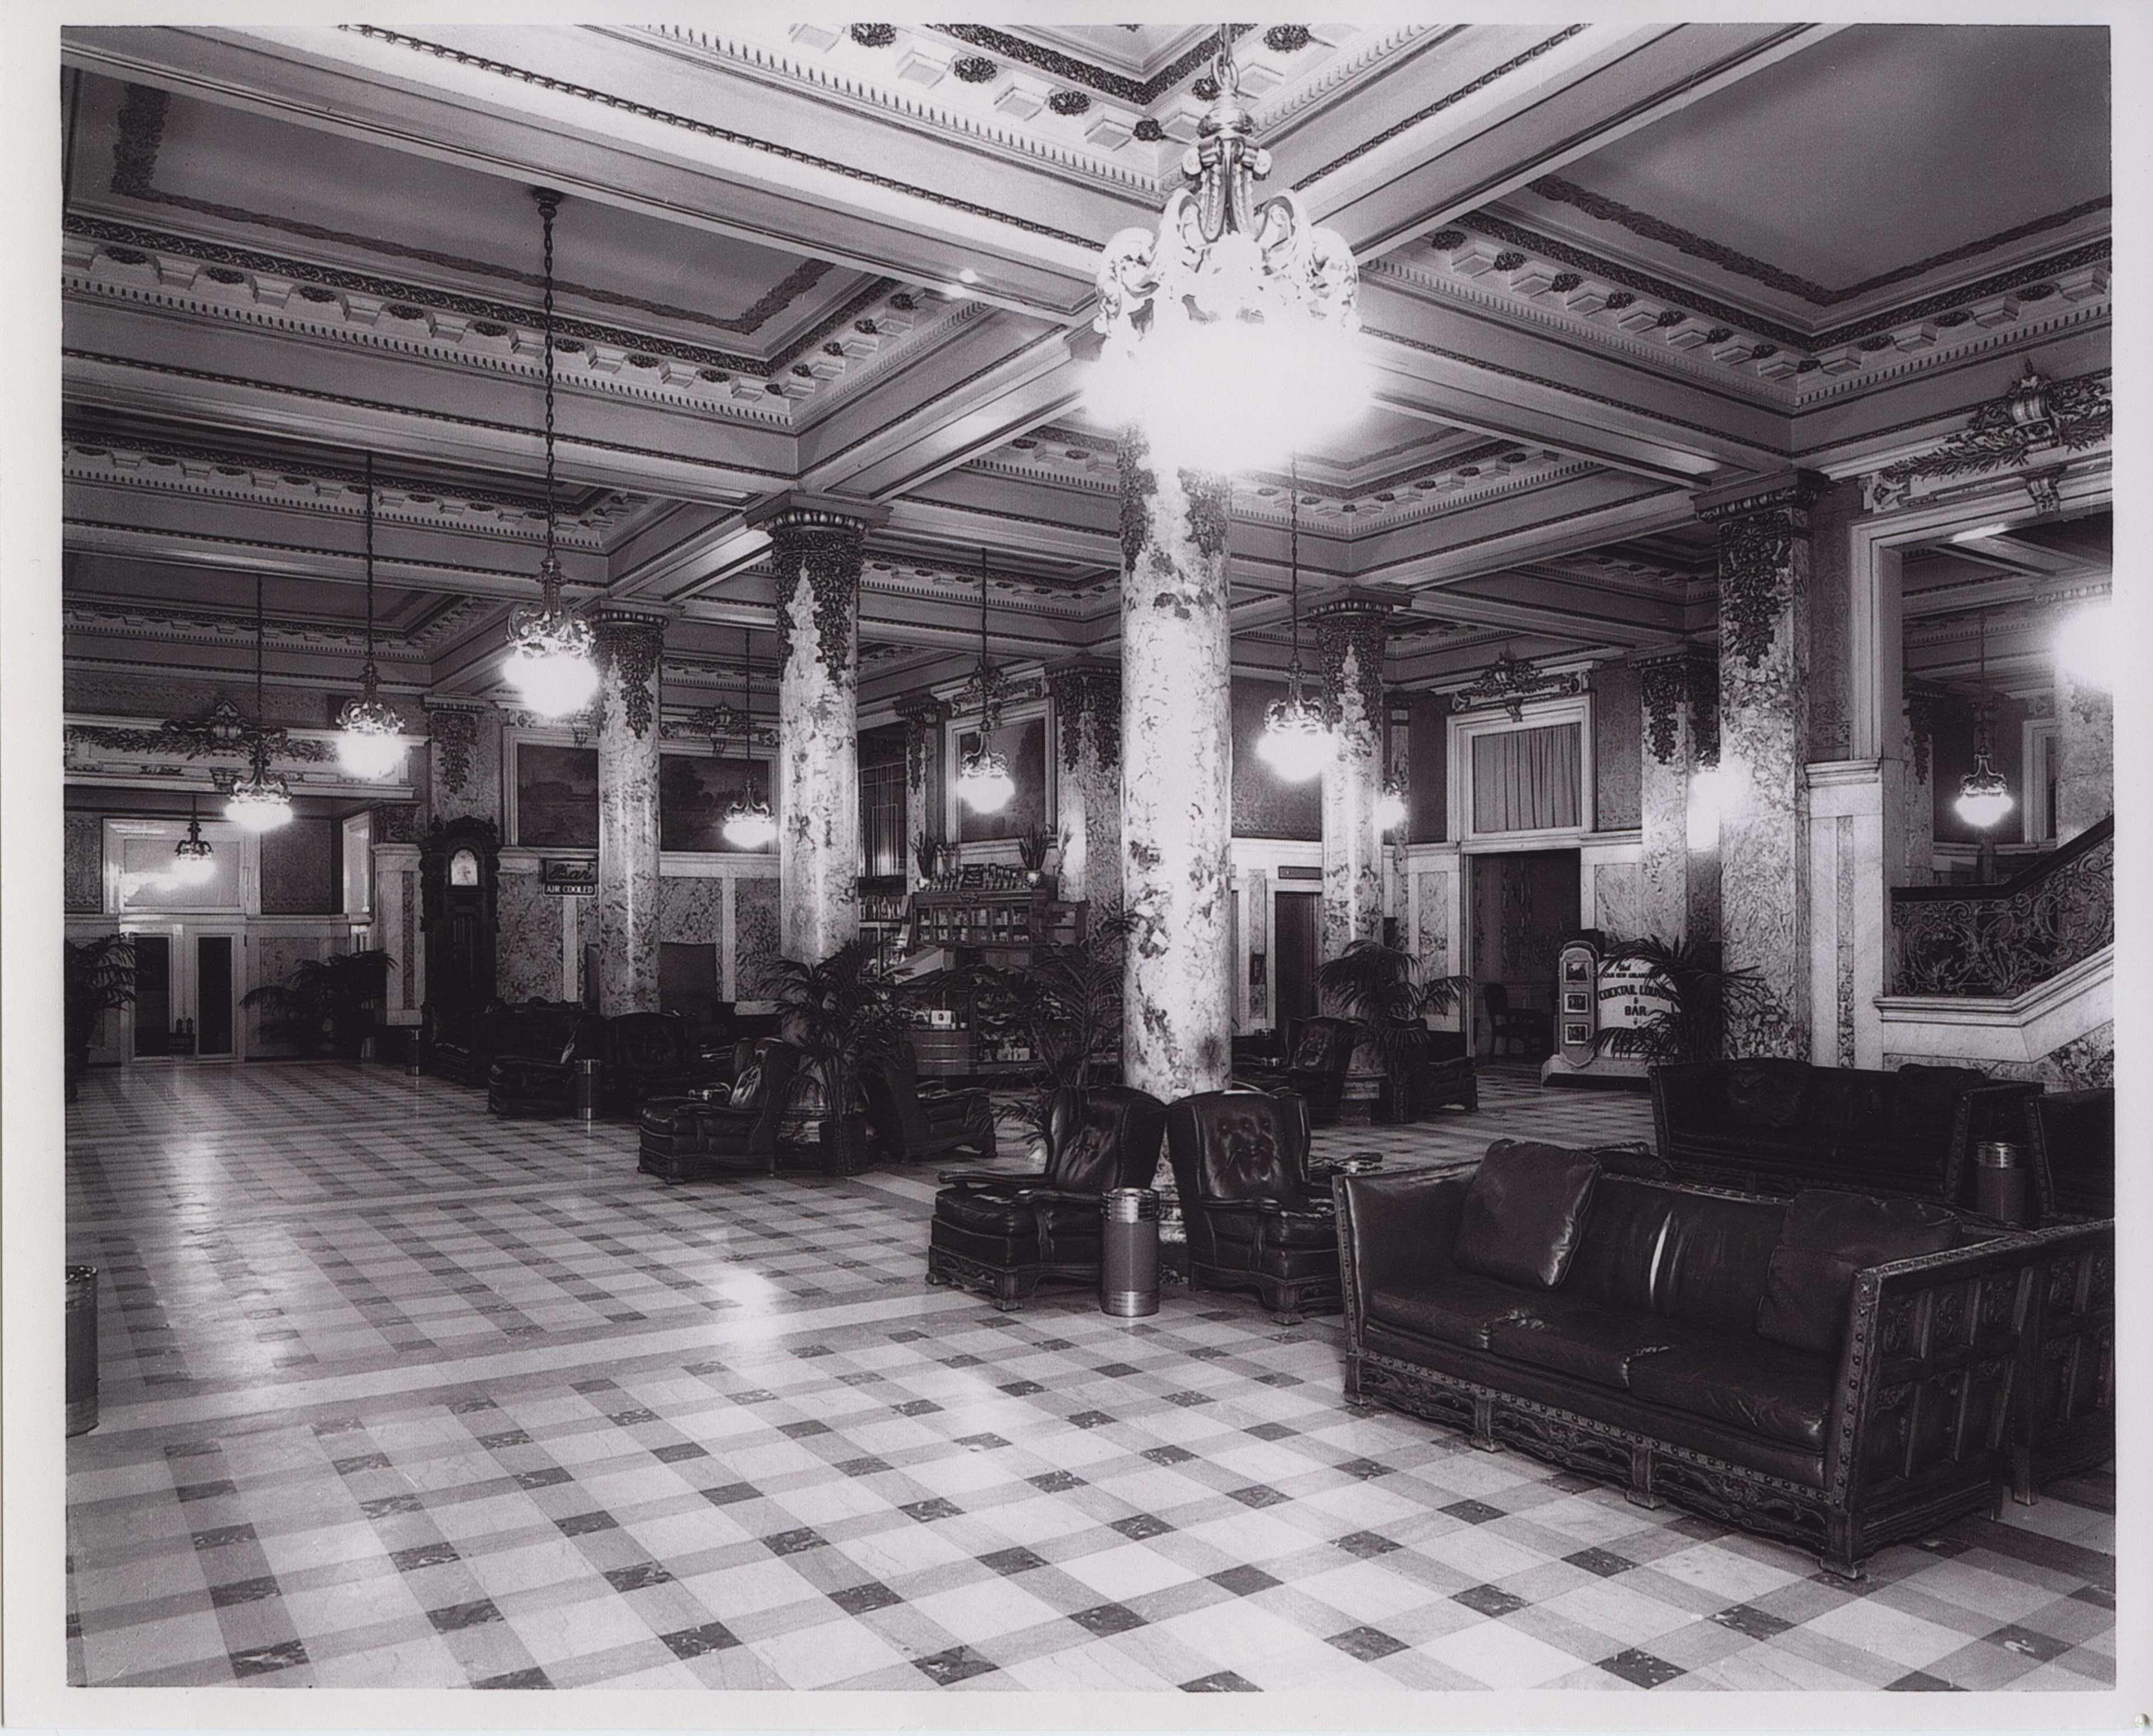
(1509, 682)
(923, 715)
(827, 548)
(1090, 690)
(1682, 683)
(630, 647)
(2036, 417)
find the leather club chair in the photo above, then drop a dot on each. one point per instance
(911, 1123)
(722, 1129)
(655, 1055)
(1002, 1235)
(1439, 1069)
(535, 1045)
(1240, 1166)
(1322, 1053)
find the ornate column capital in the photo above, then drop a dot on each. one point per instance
(1087, 687)
(921, 713)
(825, 539)
(629, 643)
(1686, 677)
(453, 724)
(1758, 524)
(1356, 620)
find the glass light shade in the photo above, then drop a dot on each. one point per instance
(2083, 650)
(983, 785)
(557, 678)
(1390, 808)
(259, 803)
(191, 861)
(749, 825)
(1294, 743)
(1983, 797)
(371, 744)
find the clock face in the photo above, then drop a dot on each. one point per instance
(463, 868)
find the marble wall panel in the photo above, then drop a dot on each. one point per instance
(1432, 939)
(1617, 720)
(298, 868)
(526, 940)
(2086, 758)
(463, 765)
(691, 911)
(755, 936)
(2085, 1063)
(1617, 899)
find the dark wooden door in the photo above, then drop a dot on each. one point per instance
(213, 983)
(1293, 925)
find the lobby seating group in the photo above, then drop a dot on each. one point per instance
(1256, 1218)
(911, 1123)
(726, 1127)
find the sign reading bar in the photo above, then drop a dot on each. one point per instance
(567, 876)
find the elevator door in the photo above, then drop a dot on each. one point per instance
(213, 999)
(1293, 924)
(154, 1011)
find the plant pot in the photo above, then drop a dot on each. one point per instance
(847, 1147)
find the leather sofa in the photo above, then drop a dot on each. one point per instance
(533, 1047)
(912, 1123)
(1836, 1369)
(1255, 1218)
(655, 1055)
(721, 1128)
(1003, 1235)
(2071, 1137)
(1779, 1126)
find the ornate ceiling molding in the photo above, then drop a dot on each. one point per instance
(2036, 426)
(177, 623)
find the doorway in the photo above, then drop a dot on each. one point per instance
(1293, 943)
(1523, 905)
(187, 982)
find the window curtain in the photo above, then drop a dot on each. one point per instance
(1526, 780)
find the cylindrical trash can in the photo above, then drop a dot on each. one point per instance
(586, 1089)
(1128, 1264)
(2002, 1186)
(81, 1349)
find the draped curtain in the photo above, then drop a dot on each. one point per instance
(1526, 780)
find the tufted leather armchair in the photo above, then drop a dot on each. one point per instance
(911, 1122)
(654, 1055)
(1241, 1165)
(1002, 1235)
(1437, 1069)
(1322, 1052)
(722, 1128)
(532, 1045)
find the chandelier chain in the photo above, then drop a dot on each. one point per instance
(548, 203)
(369, 671)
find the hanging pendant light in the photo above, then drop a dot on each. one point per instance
(749, 822)
(261, 801)
(1296, 741)
(372, 745)
(550, 659)
(1229, 329)
(1391, 805)
(193, 861)
(1983, 797)
(984, 784)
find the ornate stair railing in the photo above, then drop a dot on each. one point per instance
(2001, 940)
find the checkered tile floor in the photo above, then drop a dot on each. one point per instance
(395, 1393)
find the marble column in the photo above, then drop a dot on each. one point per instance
(1351, 631)
(1177, 773)
(923, 716)
(1678, 866)
(1087, 705)
(1919, 810)
(1397, 771)
(816, 549)
(630, 643)
(2086, 742)
(1764, 749)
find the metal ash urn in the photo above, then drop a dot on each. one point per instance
(81, 1349)
(2002, 1186)
(1129, 1265)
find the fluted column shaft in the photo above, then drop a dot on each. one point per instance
(630, 644)
(815, 566)
(1177, 774)
(1087, 705)
(1350, 631)
(1678, 891)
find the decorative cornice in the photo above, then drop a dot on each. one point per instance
(114, 618)
(1508, 682)
(1140, 93)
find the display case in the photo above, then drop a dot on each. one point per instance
(952, 929)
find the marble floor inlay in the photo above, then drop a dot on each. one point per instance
(398, 1394)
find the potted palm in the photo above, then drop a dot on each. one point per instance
(99, 974)
(1067, 1003)
(1032, 848)
(1390, 992)
(1699, 992)
(844, 1014)
(324, 1005)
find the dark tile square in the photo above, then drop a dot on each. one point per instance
(796, 1541)
(1108, 1618)
(243, 1590)
(728, 1494)
(858, 1600)
(1022, 1389)
(2100, 1596)
(1364, 1468)
(1367, 1544)
(1052, 1344)
(1245, 1581)
(1279, 1380)
(695, 1641)
(1189, 1401)
(594, 1385)
(808, 1352)
(1116, 1371)
(1366, 1643)
(1571, 1483)
(387, 1504)
(191, 1449)
(1640, 1667)
(1090, 1419)
(638, 1576)
(1168, 1455)
(1920, 1682)
(533, 1677)
(1005, 1561)
(357, 1463)
(1474, 1513)
(754, 1395)
(546, 1477)
(457, 1616)
(581, 1525)
(802, 1431)
(916, 1407)
(1055, 1482)
(932, 1508)
(506, 1438)
(869, 1466)
(221, 1536)
(1270, 1431)
(261, 1660)
(1490, 1600)
(465, 1406)
(629, 1418)
(1695, 1525)
(1746, 1618)
(1604, 1562)
(1947, 1547)
(679, 1451)
(1137, 1526)
(2026, 1643)
(204, 1491)
(981, 1443)
(1257, 1495)
(423, 1555)
(965, 1360)
(908, 1336)
(1221, 1681)
(959, 1663)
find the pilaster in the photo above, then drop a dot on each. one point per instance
(1087, 709)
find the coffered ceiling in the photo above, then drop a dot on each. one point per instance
(1604, 266)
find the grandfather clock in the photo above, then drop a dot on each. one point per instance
(459, 869)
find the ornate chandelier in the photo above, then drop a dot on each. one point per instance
(749, 823)
(1391, 805)
(1296, 741)
(372, 745)
(1983, 797)
(260, 801)
(984, 784)
(550, 658)
(193, 861)
(1229, 330)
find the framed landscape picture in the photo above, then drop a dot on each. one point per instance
(694, 791)
(556, 796)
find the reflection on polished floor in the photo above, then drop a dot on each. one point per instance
(396, 1394)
